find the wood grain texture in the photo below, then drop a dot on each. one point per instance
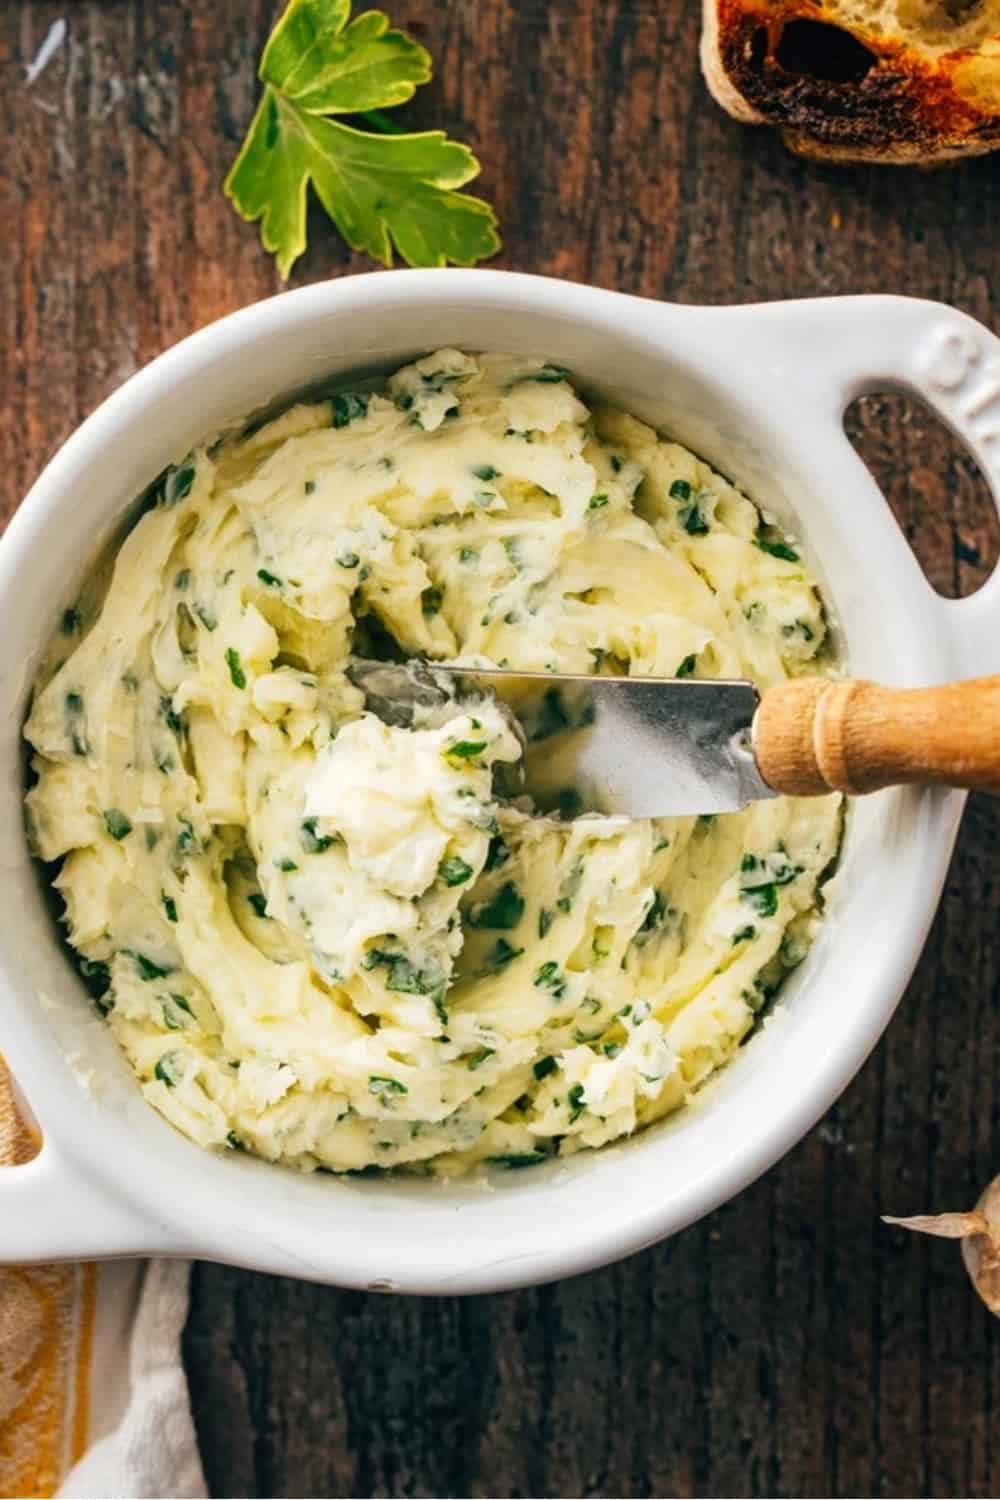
(789, 1344)
(812, 735)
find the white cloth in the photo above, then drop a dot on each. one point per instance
(142, 1438)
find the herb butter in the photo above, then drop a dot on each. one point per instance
(322, 938)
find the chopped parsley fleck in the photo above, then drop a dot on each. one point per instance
(403, 976)
(147, 968)
(170, 907)
(117, 824)
(286, 865)
(187, 841)
(763, 899)
(384, 1088)
(314, 842)
(655, 914)
(549, 374)
(454, 871)
(271, 579)
(236, 673)
(430, 601)
(512, 547)
(310, 486)
(504, 910)
(179, 484)
(476, 1059)
(70, 621)
(543, 1067)
(777, 549)
(465, 749)
(502, 954)
(576, 1104)
(686, 667)
(597, 502)
(348, 407)
(174, 1003)
(170, 717)
(206, 616)
(74, 703)
(801, 627)
(680, 490)
(468, 555)
(182, 579)
(486, 472)
(549, 977)
(693, 521)
(545, 920)
(498, 854)
(164, 1069)
(515, 1161)
(348, 560)
(745, 934)
(258, 901)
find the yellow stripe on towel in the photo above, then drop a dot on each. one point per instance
(46, 1341)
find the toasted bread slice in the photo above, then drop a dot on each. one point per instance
(892, 81)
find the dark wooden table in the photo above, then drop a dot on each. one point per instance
(789, 1344)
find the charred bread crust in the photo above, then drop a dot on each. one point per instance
(884, 102)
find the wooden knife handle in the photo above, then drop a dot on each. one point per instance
(815, 734)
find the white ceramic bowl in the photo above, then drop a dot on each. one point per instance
(760, 392)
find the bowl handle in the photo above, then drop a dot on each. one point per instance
(862, 345)
(50, 1210)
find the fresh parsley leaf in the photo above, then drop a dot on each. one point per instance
(384, 192)
(686, 667)
(454, 870)
(543, 1067)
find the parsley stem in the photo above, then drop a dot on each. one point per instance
(382, 122)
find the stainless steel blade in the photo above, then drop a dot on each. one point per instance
(638, 746)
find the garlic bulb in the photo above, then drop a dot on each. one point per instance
(979, 1232)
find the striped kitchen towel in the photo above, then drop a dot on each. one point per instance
(93, 1399)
